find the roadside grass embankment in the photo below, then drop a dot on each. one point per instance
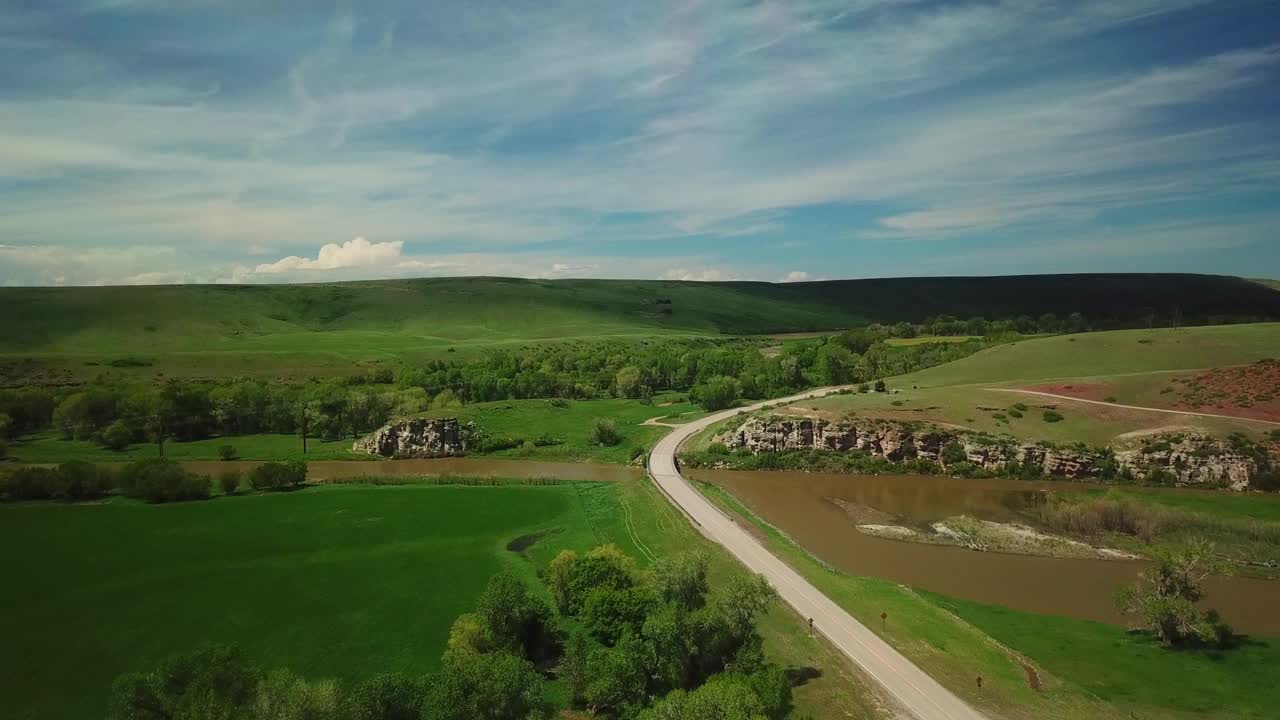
(1083, 669)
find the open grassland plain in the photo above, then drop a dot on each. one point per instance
(339, 581)
(312, 330)
(1039, 666)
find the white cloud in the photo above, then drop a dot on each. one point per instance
(354, 253)
(795, 276)
(705, 275)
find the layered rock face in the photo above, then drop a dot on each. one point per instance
(417, 438)
(1190, 459)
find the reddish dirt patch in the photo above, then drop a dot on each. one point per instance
(1084, 391)
(1251, 391)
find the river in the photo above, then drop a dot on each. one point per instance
(798, 504)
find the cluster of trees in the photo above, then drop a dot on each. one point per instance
(716, 374)
(153, 480)
(979, 326)
(657, 645)
(660, 648)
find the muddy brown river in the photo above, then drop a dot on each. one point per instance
(798, 504)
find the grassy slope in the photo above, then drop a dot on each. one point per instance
(1107, 353)
(320, 328)
(341, 581)
(1089, 670)
(955, 393)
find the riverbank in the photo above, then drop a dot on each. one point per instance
(1036, 665)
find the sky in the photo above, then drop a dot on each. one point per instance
(144, 141)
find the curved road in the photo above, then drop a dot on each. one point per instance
(914, 691)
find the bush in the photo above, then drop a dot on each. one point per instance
(76, 480)
(1020, 406)
(637, 452)
(495, 443)
(953, 452)
(605, 433)
(1052, 416)
(160, 480)
(1109, 398)
(863, 388)
(117, 436)
(30, 483)
(880, 386)
(278, 476)
(229, 482)
(228, 452)
(1015, 413)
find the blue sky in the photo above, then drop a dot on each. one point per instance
(144, 141)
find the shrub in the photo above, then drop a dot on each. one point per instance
(1109, 398)
(953, 452)
(117, 436)
(278, 476)
(896, 403)
(546, 441)
(30, 483)
(605, 433)
(863, 387)
(496, 443)
(229, 482)
(1020, 406)
(637, 452)
(999, 416)
(1052, 416)
(880, 386)
(1015, 413)
(228, 452)
(160, 480)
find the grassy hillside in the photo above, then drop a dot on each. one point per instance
(1107, 353)
(397, 316)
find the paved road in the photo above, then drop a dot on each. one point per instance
(915, 691)
(1135, 407)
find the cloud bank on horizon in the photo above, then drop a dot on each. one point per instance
(213, 141)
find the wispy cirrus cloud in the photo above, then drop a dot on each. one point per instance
(723, 132)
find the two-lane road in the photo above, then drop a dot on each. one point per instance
(915, 691)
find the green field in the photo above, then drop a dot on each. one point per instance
(1087, 670)
(339, 581)
(325, 329)
(570, 426)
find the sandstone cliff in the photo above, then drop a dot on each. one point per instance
(418, 438)
(1182, 458)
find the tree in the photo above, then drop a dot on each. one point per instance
(391, 696)
(211, 682)
(229, 482)
(573, 669)
(1163, 599)
(514, 619)
(880, 386)
(559, 579)
(283, 695)
(603, 567)
(610, 612)
(833, 364)
(681, 580)
(227, 452)
(492, 686)
(717, 393)
(724, 697)
(618, 675)
(629, 381)
(117, 436)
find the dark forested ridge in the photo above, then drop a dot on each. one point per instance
(480, 310)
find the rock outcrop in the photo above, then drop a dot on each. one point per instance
(1181, 458)
(418, 438)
